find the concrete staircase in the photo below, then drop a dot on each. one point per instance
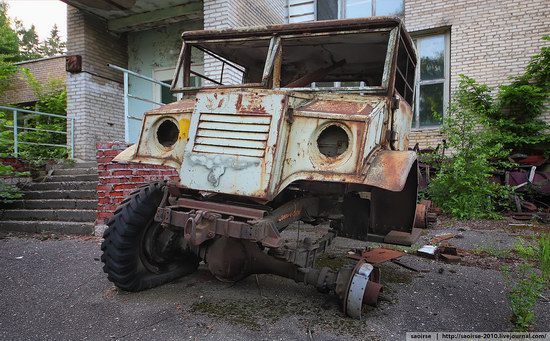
(64, 202)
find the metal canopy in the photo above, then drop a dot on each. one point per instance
(133, 15)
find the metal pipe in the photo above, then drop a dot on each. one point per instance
(126, 114)
(143, 99)
(32, 112)
(15, 132)
(45, 130)
(135, 74)
(72, 137)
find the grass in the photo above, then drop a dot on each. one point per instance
(491, 251)
(529, 285)
(544, 256)
(524, 293)
(525, 249)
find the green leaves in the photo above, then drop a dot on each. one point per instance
(523, 295)
(462, 187)
(482, 129)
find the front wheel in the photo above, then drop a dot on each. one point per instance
(138, 253)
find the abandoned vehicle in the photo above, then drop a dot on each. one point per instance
(276, 124)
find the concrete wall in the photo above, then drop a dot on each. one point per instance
(43, 70)
(95, 95)
(147, 51)
(490, 40)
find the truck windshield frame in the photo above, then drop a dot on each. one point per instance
(272, 74)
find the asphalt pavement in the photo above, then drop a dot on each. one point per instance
(55, 289)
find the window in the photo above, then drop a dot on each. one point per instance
(334, 9)
(432, 94)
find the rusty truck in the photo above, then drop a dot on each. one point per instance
(275, 124)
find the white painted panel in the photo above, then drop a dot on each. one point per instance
(301, 11)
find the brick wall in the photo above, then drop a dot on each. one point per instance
(117, 180)
(95, 96)
(43, 70)
(219, 14)
(490, 40)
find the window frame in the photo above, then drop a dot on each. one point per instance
(446, 33)
(272, 69)
(342, 9)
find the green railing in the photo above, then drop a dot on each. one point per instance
(27, 117)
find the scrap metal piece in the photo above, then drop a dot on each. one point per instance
(441, 237)
(378, 255)
(427, 251)
(402, 238)
(420, 219)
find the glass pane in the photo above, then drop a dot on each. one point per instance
(358, 8)
(327, 9)
(432, 57)
(431, 101)
(390, 7)
(165, 95)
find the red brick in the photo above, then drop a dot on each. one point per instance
(123, 186)
(121, 172)
(104, 159)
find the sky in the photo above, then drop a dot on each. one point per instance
(42, 13)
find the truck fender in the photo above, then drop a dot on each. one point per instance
(390, 169)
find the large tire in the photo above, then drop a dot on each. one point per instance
(130, 249)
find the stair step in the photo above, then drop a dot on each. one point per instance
(62, 194)
(88, 204)
(71, 185)
(75, 171)
(43, 215)
(80, 164)
(70, 178)
(61, 227)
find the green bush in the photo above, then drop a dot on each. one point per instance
(516, 118)
(462, 187)
(51, 98)
(8, 192)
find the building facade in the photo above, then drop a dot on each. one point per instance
(142, 36)
(43, 70)
(489, 41)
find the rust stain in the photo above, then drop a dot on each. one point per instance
(184, 105)
(251, 104)
(338, 107)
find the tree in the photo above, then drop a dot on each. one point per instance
(29, 45)
(53, 45)
(9, 49)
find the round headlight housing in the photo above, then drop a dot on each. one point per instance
(168, 133)
(333, 141)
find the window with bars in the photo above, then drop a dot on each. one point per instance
(432, 86)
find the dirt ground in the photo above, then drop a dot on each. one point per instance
(53, 288)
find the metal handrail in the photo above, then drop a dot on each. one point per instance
(17, 129)
(128, 96)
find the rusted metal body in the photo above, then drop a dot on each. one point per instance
(279, 145)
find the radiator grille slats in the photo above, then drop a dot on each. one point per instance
(232, 134)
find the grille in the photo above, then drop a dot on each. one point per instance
(232, 134)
